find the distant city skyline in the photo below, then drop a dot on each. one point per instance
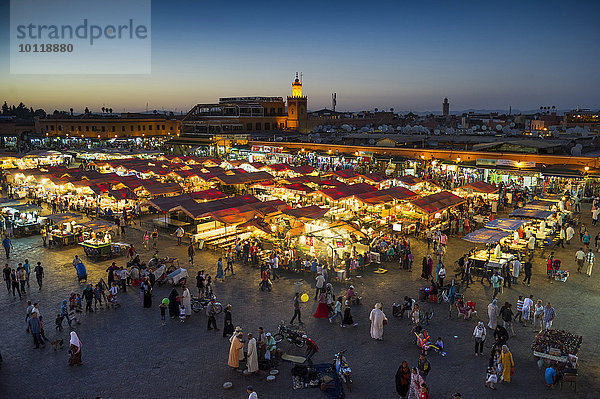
(385, 55)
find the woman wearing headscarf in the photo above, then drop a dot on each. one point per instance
(403, 379)
(479, 335)
(425, 268)
(173, 303)
(508, 365)
(146, 293)
(227, 323)
(187, 301)
(348, 320)
(74, 350)
(378, 320)
(493, 313)
(322, 311)
(415, 384)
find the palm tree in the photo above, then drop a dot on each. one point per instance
(71, 109)
(110, 110)
(541, 109)
(391, 109)
(103, 109)
(376, 109)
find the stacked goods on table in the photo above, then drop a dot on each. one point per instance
(557, 343)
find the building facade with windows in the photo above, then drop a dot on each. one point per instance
(107, 126)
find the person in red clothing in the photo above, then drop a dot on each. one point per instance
(311, 348)
(424, 392)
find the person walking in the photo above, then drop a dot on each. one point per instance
(496, 283)
(589, 260)
(337, 311)
(297, 309)
(493, 313)
(227, 322)
(415, 384)
(220, 273)
(508, 364)
(6, 275)
(479, 334)
(179, 233)
(155, 239)
(527, 267)
(570, 233)
(7, 244)
(191, 251)
(320, 282)
(441, 275)
(378, 320)
(22, 278)
(424, 366)
(34, 327)
(403, 379)
(74, 350)
(527, 306)
(210, 313)
(507, 317)
(548, 317)
(27, 268)
(538, 314)
(39, 274)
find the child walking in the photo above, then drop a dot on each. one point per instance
(163, 310)
(181, 313)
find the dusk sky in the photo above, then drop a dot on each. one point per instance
(400, 54)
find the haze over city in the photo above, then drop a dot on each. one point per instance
(406, 56)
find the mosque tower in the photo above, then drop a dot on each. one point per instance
(296, 108)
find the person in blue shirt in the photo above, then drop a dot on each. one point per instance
(550, 376)
(7, 244)
(27, 268)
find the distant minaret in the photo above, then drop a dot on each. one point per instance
(445, 107)
(333, 100)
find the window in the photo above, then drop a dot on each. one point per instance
(258, 126)
(122, 128)
(113, 128)
(279, 111)
(79, 128)
(103, 128)
(47, 127)
(248, 126)
(267, 126)
(139, 128)
(131, 128)
(144, 127)
(149, 127)
(87, 128)
(72, 128)
(163, 127)
(59, 127)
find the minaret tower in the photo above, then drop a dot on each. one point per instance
(296, 108)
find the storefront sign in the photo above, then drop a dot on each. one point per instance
(515, 164)
(265, 148)
(339, 244)
(310, 241)
(485, 162)
(397, 227)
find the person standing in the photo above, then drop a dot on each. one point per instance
(74, 350)
(210, 313)
(179, 233)
(186, 301)
(570, 233)
(527, 267)
(516, 269)
(508, 365)
(548, 317)
(39, 274)
(7, 244)
(227, 322)
(496, 283)
(252, 358)
(520, 302)
(34, 327)
(527, 305)
(403, 379)
(22, 278)
(297, 309)
(589, 260)
(191, 251)
(479, 334)
(251, 392)
(220, 273)
(320, 282)
(424, 366)
(415, 384)
(111, 273)
(378, 320)
(6, 275)
(27, 268)
(493, 313)
(234, 351)
(538, 314)
(507, 317)
(155, 239)
(441, 275)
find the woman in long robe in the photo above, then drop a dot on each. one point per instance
(322, 310)
(377, 318)
(234, 351)
(147, 294)
(493, 313)
(348, 320)
(74, 350)
(508, 364)
(252, 360)
(173, 303)
(187, 301)
(415, 384)
(227, 323)
(403, 379)
(425, 268)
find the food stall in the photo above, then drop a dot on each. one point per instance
(63, 229)
(486, 258)
(433, 208)
(516, 241)
(25, 219)
(97, 240)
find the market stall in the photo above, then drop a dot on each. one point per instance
(488, 259)
(97, 240)
(557, 347)
(24, 219)
(63, 229)
(433, 207)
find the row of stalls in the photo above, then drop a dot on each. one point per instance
(536, 225)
